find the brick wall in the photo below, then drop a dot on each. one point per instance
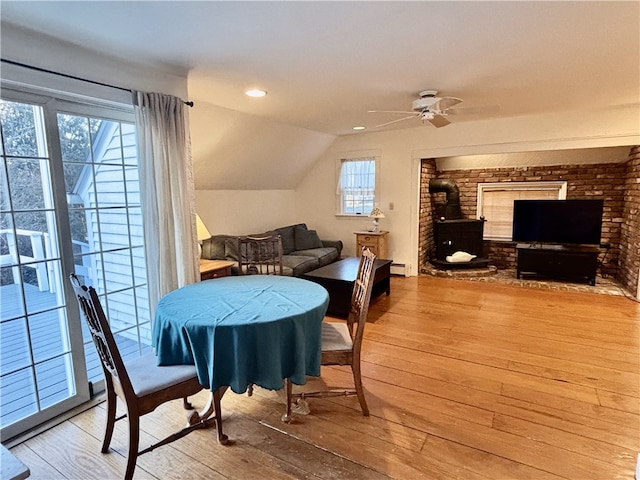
(425, 216)
(630, 227)
(607, 181)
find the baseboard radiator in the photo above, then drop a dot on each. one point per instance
(399, 269)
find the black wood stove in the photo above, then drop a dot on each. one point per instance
(452, 233)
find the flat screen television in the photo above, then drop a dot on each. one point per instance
(557, 221)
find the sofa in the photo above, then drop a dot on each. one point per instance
(302, 249)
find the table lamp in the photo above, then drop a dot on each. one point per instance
(201, 232)
(376, 213)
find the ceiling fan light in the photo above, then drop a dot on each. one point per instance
(255, 93)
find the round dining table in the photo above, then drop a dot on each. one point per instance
(243, 330)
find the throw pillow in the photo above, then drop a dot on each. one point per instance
(287, 236)
(306, 239)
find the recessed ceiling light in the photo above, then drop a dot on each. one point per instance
(255, 93)
(359, 128)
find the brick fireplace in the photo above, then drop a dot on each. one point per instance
(618, 184)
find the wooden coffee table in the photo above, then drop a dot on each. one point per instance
(338, 278)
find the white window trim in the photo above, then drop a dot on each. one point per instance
(356, 155)
(559, 185)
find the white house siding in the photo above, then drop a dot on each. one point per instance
(119, 233)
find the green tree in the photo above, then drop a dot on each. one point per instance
(24, 156)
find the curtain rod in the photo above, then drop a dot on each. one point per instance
(44, 70)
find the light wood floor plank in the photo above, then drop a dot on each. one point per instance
(39, 468)
(464, 379)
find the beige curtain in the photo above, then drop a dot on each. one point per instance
(168, 199)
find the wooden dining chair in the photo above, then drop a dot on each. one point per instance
(260, 255)
(139, 383)
(342, 342)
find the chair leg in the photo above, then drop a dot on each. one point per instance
(357, 380)
(111, 419)
(134, 439)
(186, 404)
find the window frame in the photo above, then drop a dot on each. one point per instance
(560, 186)
(352, 157)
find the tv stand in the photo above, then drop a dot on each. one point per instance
(579, 262)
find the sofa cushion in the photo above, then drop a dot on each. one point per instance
(306, 239)
(325, 255)
(287, 235)
(337, 244)
(287, 271)
(300, 264)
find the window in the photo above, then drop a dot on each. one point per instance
(357, 186)
(495, 203)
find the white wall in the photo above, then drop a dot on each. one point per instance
(401, 151)
(242, 212)
(237, 151)
(34, 49)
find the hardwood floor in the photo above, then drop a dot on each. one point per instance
(464, 380)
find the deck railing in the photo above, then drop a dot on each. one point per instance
(41, 251)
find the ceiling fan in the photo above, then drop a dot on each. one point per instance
(428, 107)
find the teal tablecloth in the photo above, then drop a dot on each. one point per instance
(243, 330)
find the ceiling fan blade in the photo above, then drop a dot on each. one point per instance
(391, 111)
(445, 103)
(395, 121)
(473, 110)
(439, 121)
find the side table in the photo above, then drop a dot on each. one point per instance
(214, 268)
(376, 241)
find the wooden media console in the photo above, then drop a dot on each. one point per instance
(579, 262)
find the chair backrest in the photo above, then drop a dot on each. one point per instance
(260, 256)
(110, 358)
(360, 297)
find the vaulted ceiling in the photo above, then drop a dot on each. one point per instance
(326, 64)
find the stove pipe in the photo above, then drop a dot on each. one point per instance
(452, 208)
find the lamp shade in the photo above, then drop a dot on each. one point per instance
(376, 213)
(201, 229)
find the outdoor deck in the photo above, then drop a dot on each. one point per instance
(48, 344)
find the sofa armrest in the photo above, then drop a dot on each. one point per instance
(220, 247)
(337, 244)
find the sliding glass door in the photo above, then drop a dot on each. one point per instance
(69, 202)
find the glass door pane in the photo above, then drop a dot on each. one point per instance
(36, 361)
(103, 195)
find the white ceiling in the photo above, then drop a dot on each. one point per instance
(325, 64)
